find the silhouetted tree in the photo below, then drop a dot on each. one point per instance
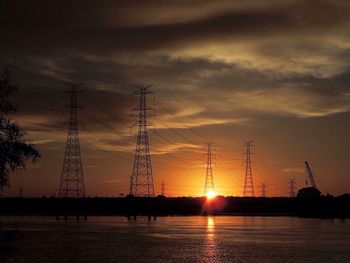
(309, 193)
(14, 150)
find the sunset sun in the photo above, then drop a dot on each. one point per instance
(211, 195)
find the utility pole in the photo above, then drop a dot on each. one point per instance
(72, 176)
(292, 185)
(248, 178)
(263, 189)
(162, 189)
(209, 179)
(141, 179)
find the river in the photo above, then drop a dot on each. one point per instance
(179, 239)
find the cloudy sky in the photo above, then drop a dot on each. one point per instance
(276, 72)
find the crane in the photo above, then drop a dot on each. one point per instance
(310, 175)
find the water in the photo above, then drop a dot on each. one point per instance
(180, 239)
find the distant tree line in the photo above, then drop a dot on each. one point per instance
(310, 206)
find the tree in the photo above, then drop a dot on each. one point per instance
(309, 193)
(14, 150)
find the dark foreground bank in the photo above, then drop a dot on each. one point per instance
(324, 206)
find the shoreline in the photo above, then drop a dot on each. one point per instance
(322, 207)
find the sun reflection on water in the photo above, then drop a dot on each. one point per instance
(210, 224)
(210, 250)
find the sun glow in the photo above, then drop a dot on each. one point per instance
(211, 195)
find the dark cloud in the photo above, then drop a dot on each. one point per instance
(43, 27)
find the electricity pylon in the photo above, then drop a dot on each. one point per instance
(248, 178)
(72, 176)
(141, 179)
(162, 192)
(209, 179)
(263, 189)
(291, 184)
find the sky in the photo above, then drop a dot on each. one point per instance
(223, 72)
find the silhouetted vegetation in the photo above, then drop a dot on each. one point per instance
(309, 193)
(14, 150)
(324, 206)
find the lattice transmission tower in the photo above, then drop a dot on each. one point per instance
(291, 186)
(209, 178)
(72, 176)
(263, 189)
(162, 191)
(141, 179)
(248, 178)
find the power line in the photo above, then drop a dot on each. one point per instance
(267, 173)
(192, 130)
